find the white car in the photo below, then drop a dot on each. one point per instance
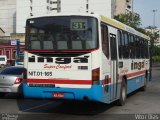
(3, 61)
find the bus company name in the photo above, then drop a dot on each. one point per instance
(137, 65)
(59, 60)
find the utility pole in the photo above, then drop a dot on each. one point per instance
(132, 10)
(113, 8)
(152, 42)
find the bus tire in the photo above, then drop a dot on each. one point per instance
(2, 95)
(123, 94)
(145, 84)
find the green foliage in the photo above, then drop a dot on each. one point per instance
(132, 20)
(155, 54)
(156, 58)
(153, 36)
(155, 51)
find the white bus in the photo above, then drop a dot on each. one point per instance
(84, 57)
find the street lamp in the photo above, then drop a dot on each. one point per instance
(154, 27)
(154, 15)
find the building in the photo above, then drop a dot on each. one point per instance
(28, 8)
(8, 16)
(9, 49)
(157, 31)
(22, 13)
(15, 12)
(157, 43)
(123, 6)
(2, 33)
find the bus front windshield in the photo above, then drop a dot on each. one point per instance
(62, 33)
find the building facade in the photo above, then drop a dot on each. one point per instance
(28, 8)
(8, 49)
(157, 31)
(15, 12)
(157, 43)
(8, 16)
(2, 33)
(123, 6)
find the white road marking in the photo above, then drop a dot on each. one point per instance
(35, 107)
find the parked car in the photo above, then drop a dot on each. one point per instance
(11, 79)
(3, 61)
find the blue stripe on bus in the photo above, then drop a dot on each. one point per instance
(135, 83)
(95, 93)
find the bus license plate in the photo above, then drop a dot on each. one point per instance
(58, 95)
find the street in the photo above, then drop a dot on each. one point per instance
(146, 104)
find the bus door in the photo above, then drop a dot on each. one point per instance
(114, 66)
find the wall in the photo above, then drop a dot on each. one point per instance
(8, 16)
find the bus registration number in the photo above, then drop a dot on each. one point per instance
(58, 95)
(38, 73)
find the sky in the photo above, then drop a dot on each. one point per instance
(145, 9)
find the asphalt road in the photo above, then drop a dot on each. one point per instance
(139, 105)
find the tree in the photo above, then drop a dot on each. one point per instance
(132, 20)
(154, 36)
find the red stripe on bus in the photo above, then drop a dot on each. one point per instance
(55, 81)
(135, 74)
(128, 76)
(83, 82)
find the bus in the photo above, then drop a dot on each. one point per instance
(86, 57)
(19, 61)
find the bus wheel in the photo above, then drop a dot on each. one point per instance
(123, 94)
(2, 95)
(145, 85)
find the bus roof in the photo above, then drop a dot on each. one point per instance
(107, 20)
(122, 26)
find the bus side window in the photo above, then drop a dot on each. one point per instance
(126, 46)
(138, 52)
(147, 49)
(142, 48)
(120, 45)
(131, 47)
(105, 41)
